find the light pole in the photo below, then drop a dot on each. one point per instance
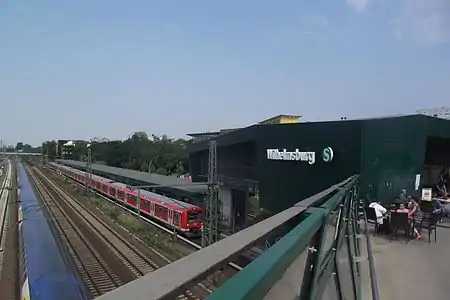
(89, 169)
(150, 163)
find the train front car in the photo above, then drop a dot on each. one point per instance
(46, 272)
(194, 220)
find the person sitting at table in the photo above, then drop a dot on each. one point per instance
(441, 187)
(402, 209)
(413, 209)
(402, 197)
(380, 211)
(438, 207)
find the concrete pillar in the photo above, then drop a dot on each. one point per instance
(226, 201)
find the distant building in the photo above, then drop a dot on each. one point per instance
(439, 112)
(282, 119)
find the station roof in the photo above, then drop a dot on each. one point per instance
(247, 134)
(156, 179)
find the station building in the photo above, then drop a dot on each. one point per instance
(266, 168)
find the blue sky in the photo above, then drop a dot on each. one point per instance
(108, 68)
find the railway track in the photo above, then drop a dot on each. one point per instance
(206, 286)
(104, 259)
(94, 271)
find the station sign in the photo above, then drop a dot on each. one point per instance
(297, 155)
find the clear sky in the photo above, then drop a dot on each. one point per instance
(107, 68)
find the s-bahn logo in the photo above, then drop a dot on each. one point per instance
(327, 154)
(277, 154)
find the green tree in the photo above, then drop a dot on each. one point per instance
(19, 146)
(49, 148)
(158, 154)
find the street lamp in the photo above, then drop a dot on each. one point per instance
(89, 169)
(150, 163)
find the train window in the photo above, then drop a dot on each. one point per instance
(193, 216)
(158, 209)
(165, 211)
(120, 194)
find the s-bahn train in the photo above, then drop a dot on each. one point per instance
(181, 216)
(45, 269)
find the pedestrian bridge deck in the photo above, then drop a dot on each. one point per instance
(414, 271)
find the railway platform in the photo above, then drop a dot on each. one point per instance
(171, 185)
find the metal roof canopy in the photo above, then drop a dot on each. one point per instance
(171, 280)
(156, 179)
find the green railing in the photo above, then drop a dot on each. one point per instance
(315, 260)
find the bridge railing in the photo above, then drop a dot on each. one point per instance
(317, 259)
(326, 231)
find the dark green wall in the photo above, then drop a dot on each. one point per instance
(387, 152)
(437, 127)
(284, 183)
(393, 153)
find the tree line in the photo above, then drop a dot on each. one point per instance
(20, 147)
(157, 154)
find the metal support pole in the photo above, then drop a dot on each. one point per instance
(139, 203)
(90, 170)
(210, 232)
(87, 180)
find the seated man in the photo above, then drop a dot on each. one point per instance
(402, 197)
(438, 207)
(380, 211)
(442, 187)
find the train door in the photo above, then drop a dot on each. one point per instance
(152, 208)
(170, 221)
(112, 192)
(176, 219)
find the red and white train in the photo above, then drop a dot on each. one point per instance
(184, 217)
